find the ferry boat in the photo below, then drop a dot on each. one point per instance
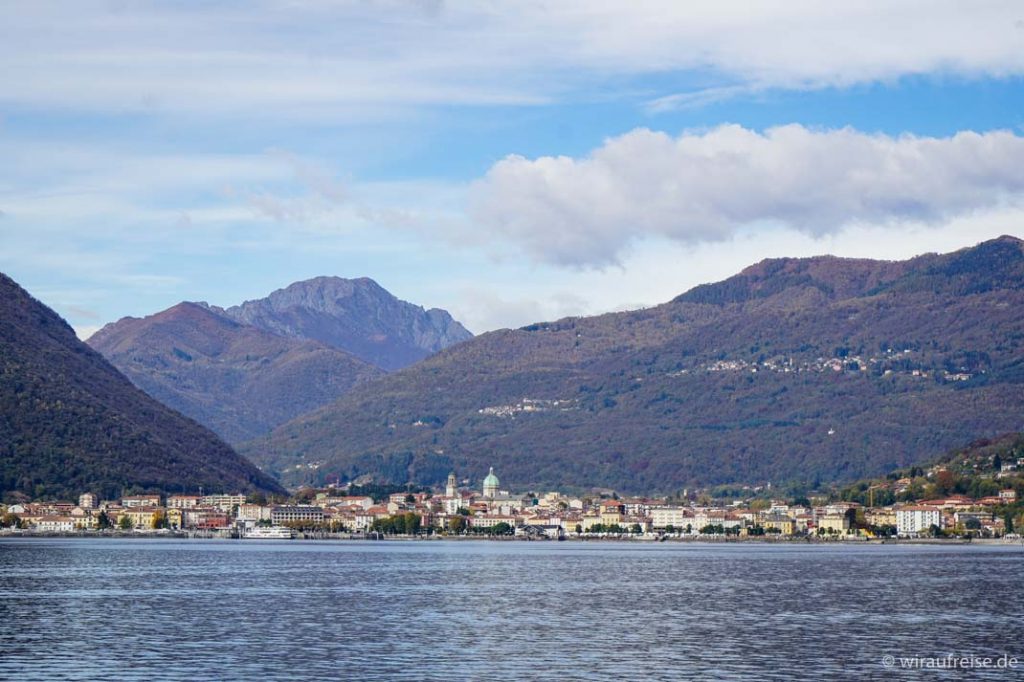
(269, 533)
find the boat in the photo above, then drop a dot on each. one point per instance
(269, 533)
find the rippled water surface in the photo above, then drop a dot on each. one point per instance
(209, 610)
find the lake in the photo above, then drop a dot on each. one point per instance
(124, 609)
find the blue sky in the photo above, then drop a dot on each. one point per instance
(507, 161)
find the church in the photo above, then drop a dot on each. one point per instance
(496, 500)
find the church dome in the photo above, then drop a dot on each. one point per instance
(491, 481)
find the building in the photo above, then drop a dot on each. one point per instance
(297, 512)
(834, 523)
(204, 517)
(140, 501)
(253, 512)
(489, 521)
(225, 503)
(677, 517)
(917, 520)
(141, 517)
(175, 519)
(778, 522)
(56, 524)
(87, 501)
(612, 513)
(183, 501)
(491, 484)
(880, 517)
(451, 489)
(325, 501)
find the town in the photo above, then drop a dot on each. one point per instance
(343, 511)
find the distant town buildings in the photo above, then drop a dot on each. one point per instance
(545, 515)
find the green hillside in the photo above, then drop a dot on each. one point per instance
(815, 370)
(70, 423)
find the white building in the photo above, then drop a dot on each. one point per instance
(917, 520)
(56, 524)
(223, 502)
(491, 520)
(451, 504)
(253, 512)
(87, 501)
(677, 517)
(183, 501)
(715, 517)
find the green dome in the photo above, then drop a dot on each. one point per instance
(491, 479)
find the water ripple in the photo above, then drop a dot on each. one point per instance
(108, 609)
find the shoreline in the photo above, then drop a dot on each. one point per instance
(346, 537)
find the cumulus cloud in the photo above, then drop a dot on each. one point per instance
(482, 309)
(705, 186)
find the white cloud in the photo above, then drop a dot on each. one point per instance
(706, 186)
(481, 308)
(84, 331)
(361, 60)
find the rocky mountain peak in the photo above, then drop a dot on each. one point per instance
(355, 315)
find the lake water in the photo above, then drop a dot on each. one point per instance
(238, 610)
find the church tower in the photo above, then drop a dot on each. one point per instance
(452, 489)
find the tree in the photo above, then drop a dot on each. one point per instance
(945, 481)
(411, 522)
(636, 529)
(103, 521)
(124, 523)
(305, 496)
(159, 520)
(10, 520)
(501, 528)
(457, 524)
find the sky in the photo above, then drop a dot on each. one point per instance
(508, 161)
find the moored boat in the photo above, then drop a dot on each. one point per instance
(269, 533)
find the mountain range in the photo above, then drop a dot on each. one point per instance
(815, 369)
(246, 369)
(71, 423)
